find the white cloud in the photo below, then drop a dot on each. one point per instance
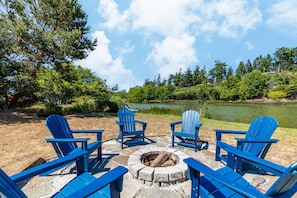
(111, 69)
(172, 54)
(231, 18)
(166, 17)
(109, 10)
(283, 16)
(227, 18)
(249, 45)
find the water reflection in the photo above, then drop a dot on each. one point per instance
(242, 113)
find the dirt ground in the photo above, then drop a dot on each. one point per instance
(22, 137)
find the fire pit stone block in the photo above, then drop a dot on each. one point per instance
(146, 173)
(161, 174)
(174, 173)
(135, 168)
(183, 168)
(133, 159)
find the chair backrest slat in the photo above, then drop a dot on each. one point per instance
(127, 117)
(260, 128)
(59, 128)
(190, 119)
(286, 183)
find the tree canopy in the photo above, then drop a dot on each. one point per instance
(36, 34)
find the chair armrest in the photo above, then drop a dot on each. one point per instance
(57, 140)
(175, 123)
(143, 124)
(121, 126)
(219, 133)
(96, 131)
(230, 131)
(114, 175)
(83, 141)
(119, 123)
(172, 125)
(198, 125)
(140, 122)
(266, 165)
(26, 174)
(242, 140)
(195, 166)
(87, 131)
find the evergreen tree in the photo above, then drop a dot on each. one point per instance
(219, 72)
(188, 78)
(248, 66)
(241, 70)
(196, 76)
(229, 72)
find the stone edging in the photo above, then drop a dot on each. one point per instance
(159, 176)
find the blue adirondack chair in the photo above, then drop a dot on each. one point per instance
(257, 139)
(225, 182)
(64, 142)
(127, 127)
(84, 185)
(188, 135)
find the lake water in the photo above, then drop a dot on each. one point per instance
(286, 115)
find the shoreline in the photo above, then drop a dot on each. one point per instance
(249, 101)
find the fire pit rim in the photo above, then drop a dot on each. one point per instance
(171, 174)
(175, 159)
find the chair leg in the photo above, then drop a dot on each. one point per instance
(82, 164)
(218, 149)
(195, 146)
(195, 177)
(99, 153)
(238, 165)
(143, 138)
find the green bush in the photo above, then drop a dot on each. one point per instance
(50, 108)
(91, 105)
(276, 95)
(107, 106)
(87, 106)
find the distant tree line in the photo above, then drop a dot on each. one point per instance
(269, 76)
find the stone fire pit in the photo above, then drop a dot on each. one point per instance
(165, 174)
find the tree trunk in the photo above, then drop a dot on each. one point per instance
(14, 99)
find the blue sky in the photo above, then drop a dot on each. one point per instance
(139, 39)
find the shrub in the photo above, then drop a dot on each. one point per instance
(50, 108)
(91, 105)
(276, 95)
(107, 106)
(86, 106)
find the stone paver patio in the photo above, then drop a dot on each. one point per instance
(113, 155)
